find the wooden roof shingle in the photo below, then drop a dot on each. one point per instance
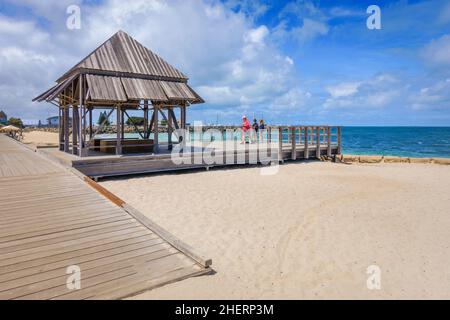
(121, 53)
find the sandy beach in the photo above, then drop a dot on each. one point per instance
(40, 138)
(309, 231)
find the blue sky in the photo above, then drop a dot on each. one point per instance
(302, 62)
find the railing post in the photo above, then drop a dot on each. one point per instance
(306, 153)
(339, 140)
(293, 153)
(329, 141)
(317, 142)
(269, 134)
(280, 144)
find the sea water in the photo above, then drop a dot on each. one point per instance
(393, 141)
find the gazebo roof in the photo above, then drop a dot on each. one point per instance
(121, 70)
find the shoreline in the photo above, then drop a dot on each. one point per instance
(43, 138)
(355, 158)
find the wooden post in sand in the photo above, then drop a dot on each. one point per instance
(339, 140)
(280, 144)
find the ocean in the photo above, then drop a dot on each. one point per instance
(419, 142)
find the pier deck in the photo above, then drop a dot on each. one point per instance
(51, 219)
(299, 142)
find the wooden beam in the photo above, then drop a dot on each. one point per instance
(80, 116)
(169, 128)
(60, 129)
(134, 125)
(280, 144)
(90, 124)
(146, 119)
(75, 123)
(339, 140)
(66, 128)
(183, 116)
(156, 129)
(119, 130)
(174, 118)
(293, 141)
(122, 123)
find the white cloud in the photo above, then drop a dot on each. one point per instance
(310, 29)
(343, 89)
(229, 59)
(379, 91)
(438, 51)
(293, 100)
(435, 95)
(257, 35)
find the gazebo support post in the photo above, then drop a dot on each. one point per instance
(145, 119)
(169, 127)
(155, 129)
(75, 125)
(183, 116)
(60, 129)
(90, 123)
(81, 120)
(66, 128)
(119, 130)
(122, 123)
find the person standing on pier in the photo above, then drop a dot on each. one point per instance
(262, 127)
(255, 128)
(245, 128)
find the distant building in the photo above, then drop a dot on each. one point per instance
(53, 121)
(3, 117)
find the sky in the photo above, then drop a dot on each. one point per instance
(289, 62)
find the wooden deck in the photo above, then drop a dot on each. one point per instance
(51, 219)
(298, 142)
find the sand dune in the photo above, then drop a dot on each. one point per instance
(309, 231)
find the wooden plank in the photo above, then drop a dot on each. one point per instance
(55, 219)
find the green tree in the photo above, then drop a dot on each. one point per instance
(102, 118)
(17, 122)
(138, 121)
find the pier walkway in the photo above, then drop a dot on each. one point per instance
(54, 220)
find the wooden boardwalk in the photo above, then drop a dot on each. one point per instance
(51, 219)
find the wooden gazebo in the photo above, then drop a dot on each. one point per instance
(120, 75)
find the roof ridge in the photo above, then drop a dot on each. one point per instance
(123, 53)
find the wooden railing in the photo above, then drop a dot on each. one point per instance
(294, 139)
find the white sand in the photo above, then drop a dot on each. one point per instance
(40, 138)
(309, 231)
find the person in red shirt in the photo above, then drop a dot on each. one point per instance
(245, 127)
